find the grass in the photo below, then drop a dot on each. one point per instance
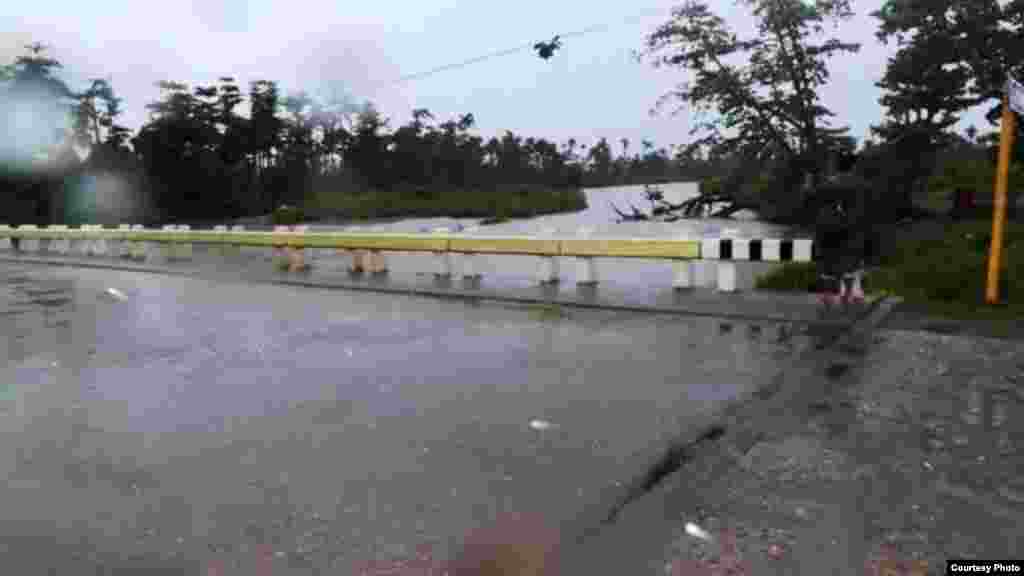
(497, 205)
(937, 268)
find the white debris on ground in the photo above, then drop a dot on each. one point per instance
(697, 532)
(115, 294)
(541, 425)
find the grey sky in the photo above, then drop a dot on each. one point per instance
(593, 87)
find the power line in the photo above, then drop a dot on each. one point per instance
(507, 52)
(485, 57)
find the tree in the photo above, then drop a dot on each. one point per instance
(767, 101)
(952, 55)
(977, 41)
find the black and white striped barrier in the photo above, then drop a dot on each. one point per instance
(719, 256)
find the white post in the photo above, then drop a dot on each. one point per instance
(236, 249)
(548, 270)
(682, 272)
(445, 264)
(706, 270)
(802, 250)
(139, 249)
(222, 249)
(378, 264)
(55, 244)
(741, 249)
(121, 246)
(100, 246)
(88, 246)
(29, 244)
(185, 249)
(586, 265)
(5, 237)
(771, 249)
(359, 261)
(167, 248)
(296, 255)
(726, 276)
(727, 268)
(682, 276)
(445, 261)
(469, 266)
(279, 251)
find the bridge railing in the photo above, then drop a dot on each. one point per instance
(696, 261)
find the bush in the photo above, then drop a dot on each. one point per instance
(790, 277)
(287, 216)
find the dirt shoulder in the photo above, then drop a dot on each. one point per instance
(911, 455)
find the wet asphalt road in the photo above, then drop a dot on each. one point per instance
(195, 419)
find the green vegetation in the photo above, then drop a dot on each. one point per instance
(790, 277)
(287, 216)
(496, 205)
(939, 268)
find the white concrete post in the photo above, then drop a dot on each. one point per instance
(185, 249)
(771, 249)
(78, 245)
(548, 269)
(297, 256)
(29, 244)
(586, 265)
(360, 260)
(57, 243)
(121, 246)
(469, 266)
(236, 249)
(444, 261)
(167, 248)
(377, 262)
(279, 251)
(726, 276)
(222, 249)
(706, 269)
(727, 268)
(141, 250)
(802, 250)
(85, 247)
(741, 249)
(100, 246)
(445, 264)
(682, 271)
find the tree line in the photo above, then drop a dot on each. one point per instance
(758, 98)
(762, 136)
(198, 156)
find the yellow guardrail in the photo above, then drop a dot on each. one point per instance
(390, 242)
(696, 262)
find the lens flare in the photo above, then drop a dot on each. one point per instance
(35, 126)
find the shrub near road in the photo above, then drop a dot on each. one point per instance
(939, 269)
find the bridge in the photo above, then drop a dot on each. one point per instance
(695, 261)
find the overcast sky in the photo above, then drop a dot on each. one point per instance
(593, 87)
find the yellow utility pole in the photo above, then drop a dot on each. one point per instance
(1008, 128)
